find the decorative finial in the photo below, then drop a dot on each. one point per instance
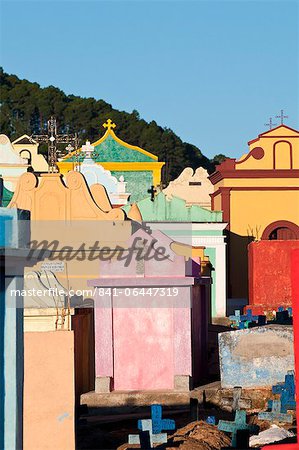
(69, 148)
(109, 124)
(88, 149)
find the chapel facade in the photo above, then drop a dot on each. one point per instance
(259, 197)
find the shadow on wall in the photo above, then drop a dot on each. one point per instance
(237, 264)
(84, 348)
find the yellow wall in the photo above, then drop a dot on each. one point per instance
(281, 138)
(217, 203)
(258, 197)
(258, 209)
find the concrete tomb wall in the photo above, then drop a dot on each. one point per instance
(191, 224)
(145, 335)
(192, 186)
(12, 166)
(14, 235)
(27, 148)
(256, 357)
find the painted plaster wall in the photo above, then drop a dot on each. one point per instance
(174, 209)
(209, 235)
(281, 137)
(270, 273)
(38, 161)
(192, 186)
(256, 357)
(251, 213)
(138, 182)
(251, 209)
(112, 149)
(13, 235)
(13, 370)
(140, 168)
(49, 396)
(143, 346)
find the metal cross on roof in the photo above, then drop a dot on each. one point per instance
(281, 117)
(270, 124)
(109, 124)
(53, 139)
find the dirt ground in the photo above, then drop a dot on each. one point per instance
(99, 432)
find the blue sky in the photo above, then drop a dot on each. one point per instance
(214, 72)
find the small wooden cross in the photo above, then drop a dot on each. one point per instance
(281, 117)
(152, 191)
(109, 124)
(270, 124)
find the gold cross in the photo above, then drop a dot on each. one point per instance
(109, 124)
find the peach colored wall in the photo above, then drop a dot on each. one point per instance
(49, 391)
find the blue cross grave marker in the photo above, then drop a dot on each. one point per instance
(243, 321)
(236, 318)
(238, 424)
(144, 440)
(146, 425)
(275, 415)
(154, 427)
(249, 317)
(287, 392)
(158, 423)
(243, 325)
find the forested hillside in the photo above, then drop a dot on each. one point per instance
(25, 108)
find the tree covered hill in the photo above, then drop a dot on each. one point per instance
(26, 107)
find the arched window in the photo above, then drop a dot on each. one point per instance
(281, 230)
(26, 154)
(282, 155)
